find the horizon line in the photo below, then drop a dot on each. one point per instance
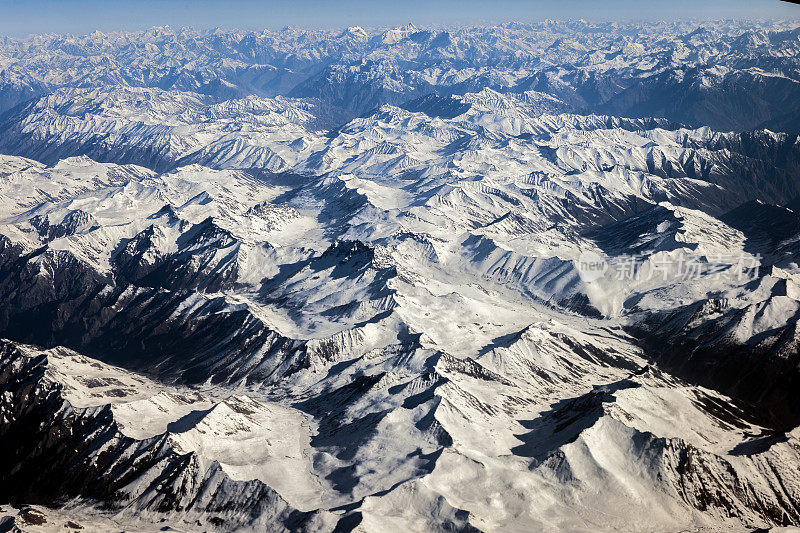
(422, 26)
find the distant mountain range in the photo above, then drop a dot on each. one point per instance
(731, 76)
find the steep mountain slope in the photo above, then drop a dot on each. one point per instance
(160, 130)
(333, 311)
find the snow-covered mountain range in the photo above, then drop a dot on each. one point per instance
(728, 75)
(510, 278)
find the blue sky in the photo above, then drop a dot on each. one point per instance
(21, 17)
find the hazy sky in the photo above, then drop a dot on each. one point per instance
(21, 17)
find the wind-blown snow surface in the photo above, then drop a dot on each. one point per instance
(253, 313)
